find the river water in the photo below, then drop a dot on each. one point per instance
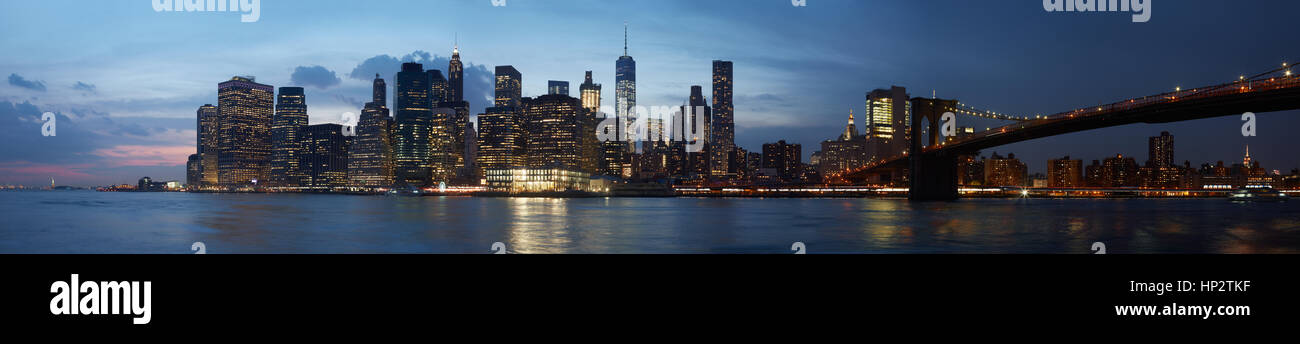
(92, 222)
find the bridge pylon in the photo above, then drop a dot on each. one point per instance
(933, 176)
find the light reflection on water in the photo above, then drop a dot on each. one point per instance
(88, 222)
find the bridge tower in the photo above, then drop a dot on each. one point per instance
(933, 176)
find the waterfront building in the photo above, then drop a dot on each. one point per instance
(324, 157)
(413, 119)
(722, 125)
(553, 138)
(194, 171)
(209, 139)
(245, 109)
(290, 120)
(1008, 171)
(371, 156)
(785, 158)
(847, 152)
(888, 115)
(1064, 173)
(535, 180)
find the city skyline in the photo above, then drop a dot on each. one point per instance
(119, 133)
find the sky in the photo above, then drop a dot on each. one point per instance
(125, 81)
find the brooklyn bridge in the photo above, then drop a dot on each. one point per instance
(930, 165)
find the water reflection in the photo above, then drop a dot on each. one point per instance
(88, 222)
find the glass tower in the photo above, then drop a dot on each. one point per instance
(290, 119)
(245, 109)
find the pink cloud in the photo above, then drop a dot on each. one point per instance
(30, 170)
(134, 155)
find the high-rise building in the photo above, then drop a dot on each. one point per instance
(722, 127)
(438, 87)
(501, 136)
(697, 111)
(888, 114)
(1065, 173)
(455, 77)
(553, 132)
(245, 109)
(509, 87)
(193, 171)
(290, 119)
(557, 87)
(1161, 151)
(590, 94)
(413, 120)
(625, 93)
(847, 152)
(379, 92)
(370, 158)
(1120, 171)
(1008, 171)
(786, 159)
(209, 144)
(324, 157)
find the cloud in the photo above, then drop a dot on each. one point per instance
(85, 88)
(34, 85)
(479, 84)
(315, 76)
(139, 155)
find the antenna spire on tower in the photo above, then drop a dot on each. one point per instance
(624, 38)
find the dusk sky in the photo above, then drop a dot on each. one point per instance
(126, 80)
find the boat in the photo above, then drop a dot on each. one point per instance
(1258, 195)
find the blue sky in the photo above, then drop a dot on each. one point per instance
(126, 80)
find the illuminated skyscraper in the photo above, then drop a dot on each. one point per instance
(437, 87)
(456, 77)
(625, 93)
(786, 159)
(501, 137)
(245, 109)
(1008, 171)
(590, 94)
(509, 87)
(290, 119)
(888, 113)
(722, 128)
(695, 163)
(209, 144)
(324, 157)
(553, 138)
(370, 159)
(1161, 150)
(414, 117)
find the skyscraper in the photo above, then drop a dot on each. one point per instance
(723, 124)
(370, 159)
(501, 137)
(324, 157)
(379, 91)
(509, 87)
(290, 119)
(888, 113)
(696, 163)
(1161, 150)
(244, 152)
(193, 171)
(456, 77)
(209, 144)
(553, 133)
(557, 87)
(414, 117)
(625, 93)
(590, 94)
(437, 87)
(786, 159)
